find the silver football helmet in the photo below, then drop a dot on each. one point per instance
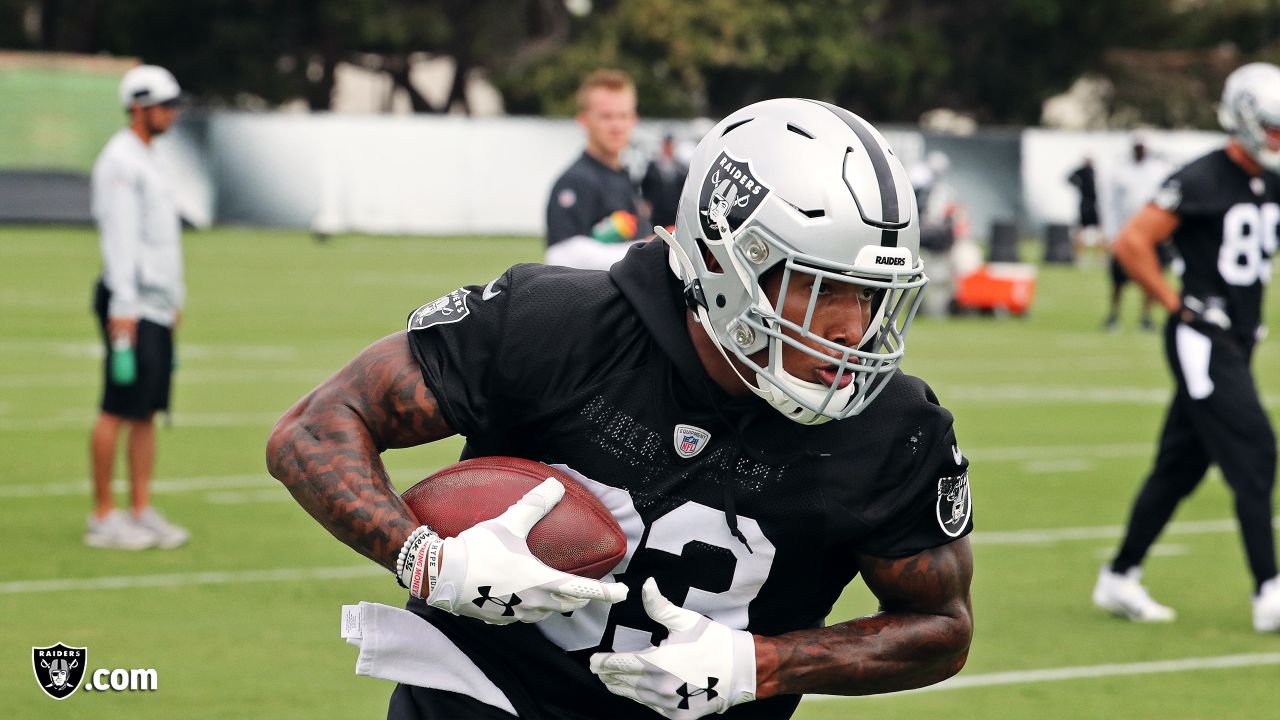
(1250, 106)
(814, 191)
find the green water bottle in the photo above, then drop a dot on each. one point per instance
(124, 365)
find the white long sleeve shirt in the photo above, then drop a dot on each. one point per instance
(141, 231)
(1131, 186)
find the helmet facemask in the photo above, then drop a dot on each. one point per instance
(766, 328)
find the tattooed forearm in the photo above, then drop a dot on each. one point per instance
(325, 449)
(921, 635)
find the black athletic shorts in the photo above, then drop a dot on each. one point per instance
(1088, 216)
(153, 351)
(1164, 251)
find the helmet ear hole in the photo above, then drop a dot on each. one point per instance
(709, 259)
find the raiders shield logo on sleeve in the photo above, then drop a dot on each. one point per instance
(730, 195)
(954, 504)
(59, 669)
(449, 309)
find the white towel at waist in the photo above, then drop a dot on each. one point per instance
(397, 645)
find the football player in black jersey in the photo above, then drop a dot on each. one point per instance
(733, 394)
(1221, 213)
(591, 213)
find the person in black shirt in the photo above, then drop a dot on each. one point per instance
(591, 212)
(661, 185)
(732, 393)
(1085, 180)
(1221, 212)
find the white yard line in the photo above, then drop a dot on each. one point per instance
(83, 420)
(230, 577)
(93, 349)
(158, 486)
(1046, 453)
(1062, 394)
(1100, 532)
(1024, 677)
(244, 376)
(249, 497)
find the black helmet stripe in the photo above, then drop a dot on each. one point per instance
(884, 175)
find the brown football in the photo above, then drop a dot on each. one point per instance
(578, 536)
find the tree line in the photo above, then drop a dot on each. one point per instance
(892, 60)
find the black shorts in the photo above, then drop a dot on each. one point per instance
(1164, 251)
(1088, 216)
(153, 351)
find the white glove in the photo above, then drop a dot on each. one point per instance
(487, 571)
(702, 667)
(1201, 315)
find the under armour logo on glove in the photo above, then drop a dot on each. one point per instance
(491, 561)
(698, 656)
(506, 605)
(684, 692)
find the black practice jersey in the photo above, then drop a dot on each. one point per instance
(1227, 228)
(585, 194)
(737, 512)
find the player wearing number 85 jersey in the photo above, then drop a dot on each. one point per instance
(1221, 212)
(732, 393)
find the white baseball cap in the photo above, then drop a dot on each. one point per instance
(148, 85)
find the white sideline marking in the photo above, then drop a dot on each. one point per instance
(1100, 532)
(84, 419)
(1064, 394)
(1091, 395)
(183, 377)
(1045, 467)
(1023, 677)
(176, 485)
(243, 497)
(94, 349)
(1045, 453)
(196, 578)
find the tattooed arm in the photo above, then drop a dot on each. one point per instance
(920, 636)
(325, 449)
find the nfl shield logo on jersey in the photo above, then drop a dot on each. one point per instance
(59, 669)
(690, 440)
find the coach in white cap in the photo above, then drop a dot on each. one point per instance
(138, 300)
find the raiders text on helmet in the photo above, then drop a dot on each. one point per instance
(1250, 106)
(813, 190)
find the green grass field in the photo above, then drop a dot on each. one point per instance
(1058, 419)
(56, 117)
